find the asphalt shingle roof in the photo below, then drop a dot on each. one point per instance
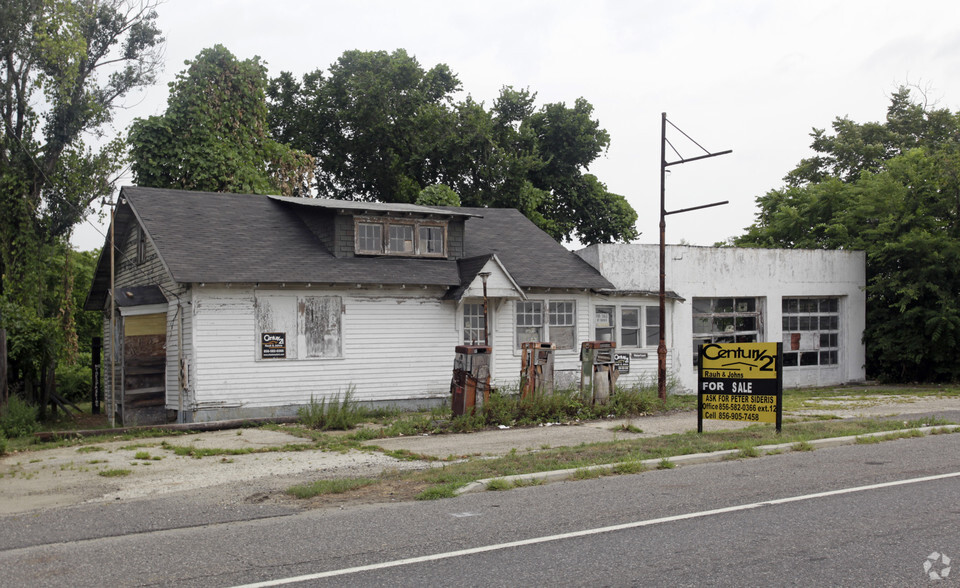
(531, 256)
(232, 238)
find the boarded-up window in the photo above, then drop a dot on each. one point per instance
(311, 325)
(321, 325)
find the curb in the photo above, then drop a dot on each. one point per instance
(691, 459)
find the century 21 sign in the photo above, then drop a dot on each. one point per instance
(740, 382)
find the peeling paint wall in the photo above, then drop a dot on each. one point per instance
(767, 274)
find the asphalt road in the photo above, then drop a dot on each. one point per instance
(776, 531)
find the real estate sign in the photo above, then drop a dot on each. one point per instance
(273, 345)
(740, 382)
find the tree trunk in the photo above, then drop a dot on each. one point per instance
(4, 391)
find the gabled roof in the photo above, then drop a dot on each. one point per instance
(244, 238)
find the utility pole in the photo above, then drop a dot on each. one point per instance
(113, 321)
(662, 346)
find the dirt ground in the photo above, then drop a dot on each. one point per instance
(145, 468)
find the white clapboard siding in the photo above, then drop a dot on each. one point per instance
(506, 353)
(397, 345)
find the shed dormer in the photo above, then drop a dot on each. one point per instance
(376, 229)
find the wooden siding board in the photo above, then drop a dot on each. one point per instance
(394, 347)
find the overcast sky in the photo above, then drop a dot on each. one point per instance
(752, 76)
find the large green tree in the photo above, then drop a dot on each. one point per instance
(64, 68)
(214, 134)
(383, 128)
(891, 189)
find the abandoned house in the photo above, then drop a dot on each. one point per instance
(231, 306)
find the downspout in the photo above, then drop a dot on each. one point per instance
(181, 372)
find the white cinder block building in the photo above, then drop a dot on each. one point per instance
(811, 300)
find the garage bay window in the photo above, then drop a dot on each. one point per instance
(725, 320)
(554, 321)
(811, 331)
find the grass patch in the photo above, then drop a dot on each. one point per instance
(115, 473)
(587, 473)
(633, 451)
(802, 446)
(201, 452)
(499, 484)
(329, 487)
(628, 428)
(629, 467)
(665, 464)
(439, 491)
(748, 451)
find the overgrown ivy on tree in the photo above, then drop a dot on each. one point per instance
(214, 135)
(383, 128)
(65, 67)
(891, 189)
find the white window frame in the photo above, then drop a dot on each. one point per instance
(472, 323)
(540, 314)
(614, 332)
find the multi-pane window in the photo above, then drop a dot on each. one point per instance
(605, 323)
(529, 321)
(638, 325)
(431, 240)
(553, 321)
(811, 331)
(725, 320)
(369, 238)
(630, 327)
(376, 236)
(473, 324)
(653, 326)
(563, 324)
(401, 238)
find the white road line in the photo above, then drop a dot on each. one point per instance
(588, 532)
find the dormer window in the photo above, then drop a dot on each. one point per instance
(370, 238)
(403, 237)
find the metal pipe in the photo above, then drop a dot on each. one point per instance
(662, 345)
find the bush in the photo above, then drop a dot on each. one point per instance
(74, 380)
(18, 418)
(3, 444)
(336, 415)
